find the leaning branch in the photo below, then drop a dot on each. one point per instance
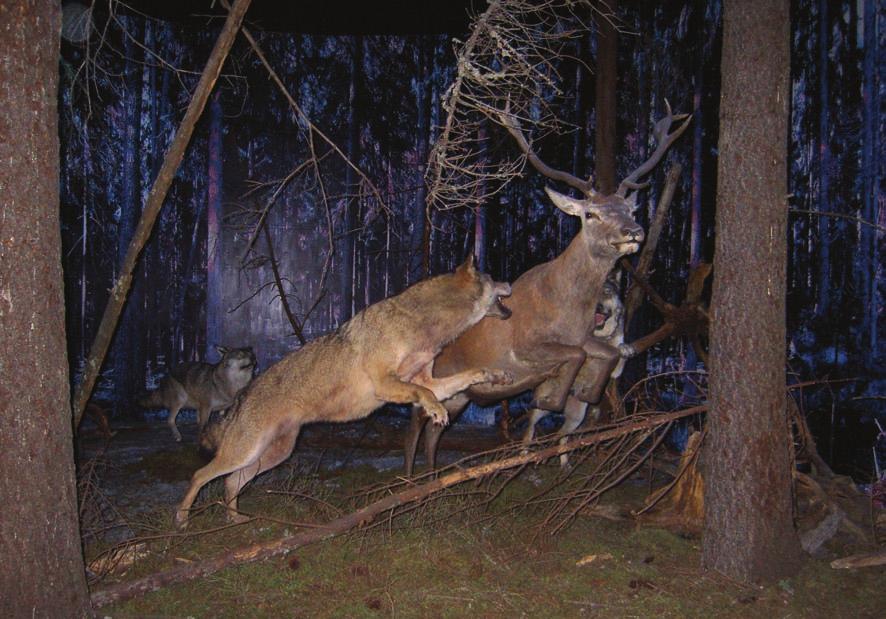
(171, 162)
(364, 516)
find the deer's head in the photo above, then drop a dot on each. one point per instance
(607, 223)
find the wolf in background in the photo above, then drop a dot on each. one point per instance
(205, 387)
(383, 354)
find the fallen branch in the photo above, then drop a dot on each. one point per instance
(154, 203)
(268, 549)
(867, 559)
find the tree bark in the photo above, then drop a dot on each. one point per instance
(749, 533)
(606, 102)
(870, 168)
(173, 158)
(43, 573)
(215, 310)
(127, 346)
(824, 161)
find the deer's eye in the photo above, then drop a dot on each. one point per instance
(591, 215)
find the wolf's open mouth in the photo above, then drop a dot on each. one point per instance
(503, 310)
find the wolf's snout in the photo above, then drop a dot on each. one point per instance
(634, 233)
(499, 309)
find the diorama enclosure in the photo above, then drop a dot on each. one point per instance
(268, 182)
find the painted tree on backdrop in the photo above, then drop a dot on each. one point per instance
(43, 573)
(749, 533)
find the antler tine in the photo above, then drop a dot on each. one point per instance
(664, 140)
(510, 122)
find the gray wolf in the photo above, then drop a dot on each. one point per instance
(383, 354)
(205, 387)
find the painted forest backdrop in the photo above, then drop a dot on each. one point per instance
(205, 279)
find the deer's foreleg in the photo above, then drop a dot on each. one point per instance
(562, 362)
(598, 366)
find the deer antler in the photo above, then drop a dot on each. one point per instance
(664, 140)
(510, 122)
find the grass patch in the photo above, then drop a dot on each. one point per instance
(455, 557)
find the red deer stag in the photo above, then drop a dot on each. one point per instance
(550, 333)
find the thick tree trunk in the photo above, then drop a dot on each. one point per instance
(43, 573)
(348, 245)
(824, 162)
(215, 310)
(606, 100)
(869, 266)
(128, 342)
(749, 533)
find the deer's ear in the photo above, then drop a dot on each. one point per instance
(467, 267)
(568, 205)
(631, 201)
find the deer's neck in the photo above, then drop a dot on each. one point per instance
(579, 272)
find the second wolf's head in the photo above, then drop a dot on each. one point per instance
(237, 364)
(488, 292)
(610, 309)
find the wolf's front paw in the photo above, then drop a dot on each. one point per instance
(438, 414)
(626, 351)
(499, 377)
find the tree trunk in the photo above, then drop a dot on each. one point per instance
(348, 248)
(824, 162)
(606, 100)
(128, 341)
(870, 267)
(43, 573)
(749, 533)
(215, 310)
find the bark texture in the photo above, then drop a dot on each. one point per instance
(749, 532)
(606, 101)
(42, 574)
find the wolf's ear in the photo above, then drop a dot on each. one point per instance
(467, 267)
(222, 350)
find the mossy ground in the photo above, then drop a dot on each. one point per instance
(454, 558)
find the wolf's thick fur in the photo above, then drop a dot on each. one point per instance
(205, 387)
(383, 354)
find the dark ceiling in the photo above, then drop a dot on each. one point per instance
(330, 16)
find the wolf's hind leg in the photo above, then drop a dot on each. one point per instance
(173, 413)
(275, 453)
(236, 452)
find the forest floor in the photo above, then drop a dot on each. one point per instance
(467, 554)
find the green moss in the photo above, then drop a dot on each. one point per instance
(453, 559)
